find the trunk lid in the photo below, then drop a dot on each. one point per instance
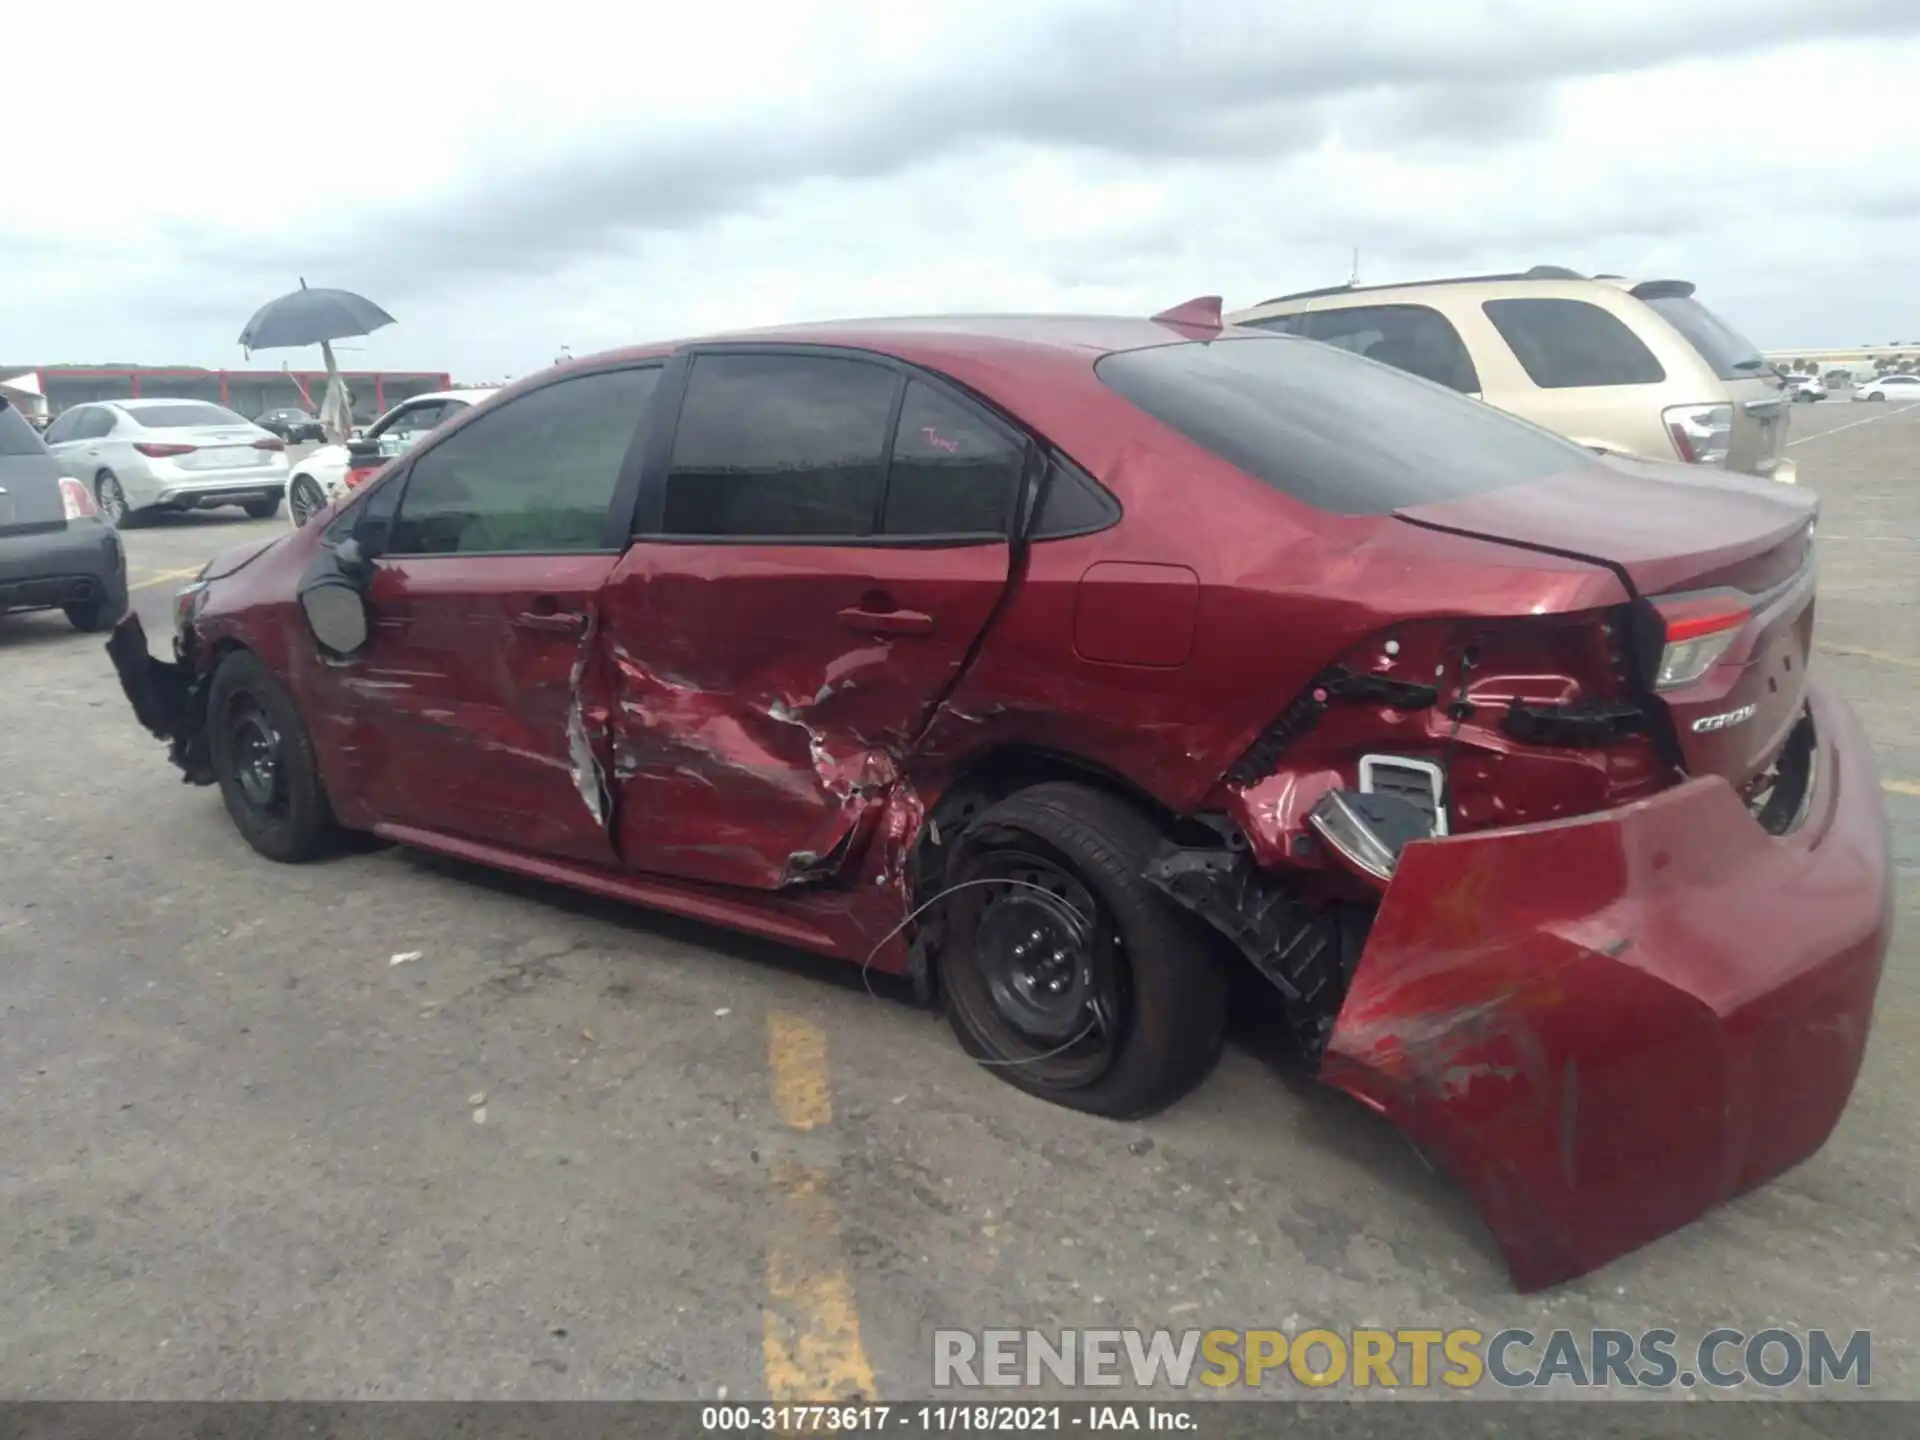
(29, 478)
(216, 447)
(1675, 530)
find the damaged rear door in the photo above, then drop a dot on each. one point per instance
(478, 702)
(821, 542)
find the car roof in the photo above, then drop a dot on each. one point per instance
(1542, 278)
(931, 338)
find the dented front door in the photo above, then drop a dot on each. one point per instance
(477, 686)
(480, 702)
(827, 545)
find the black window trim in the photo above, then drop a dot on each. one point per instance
(613, 540)
(649, 512)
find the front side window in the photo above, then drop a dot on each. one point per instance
(1571, 345)
(780, 447)
(96, 424)
(67, 427)
(415, 421)
(535, 476)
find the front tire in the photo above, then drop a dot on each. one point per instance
(304, 500)
(1064, 971)
(263, 759)
(262, 509)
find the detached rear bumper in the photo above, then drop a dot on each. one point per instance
(167, 698)
(1604, 1027)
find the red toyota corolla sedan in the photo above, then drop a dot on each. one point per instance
(1063, 664)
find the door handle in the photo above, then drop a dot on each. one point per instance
(552, 622)
(887, 622)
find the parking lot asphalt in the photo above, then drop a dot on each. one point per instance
(576, 1149)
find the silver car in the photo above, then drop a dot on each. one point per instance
(138, 456)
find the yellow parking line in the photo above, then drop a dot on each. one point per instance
(811, 1350)
(797, 1050)
(1901, 787)
(164, 576)
(1882, 656)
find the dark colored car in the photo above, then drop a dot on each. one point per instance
(1063, 665)
(292, 425)
(55, 550)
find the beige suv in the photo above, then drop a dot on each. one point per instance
(1625, 367)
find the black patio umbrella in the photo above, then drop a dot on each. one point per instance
(317, 317)
(312, 317)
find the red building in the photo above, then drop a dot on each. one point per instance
(247, 391)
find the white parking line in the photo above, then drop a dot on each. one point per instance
(1854, 424)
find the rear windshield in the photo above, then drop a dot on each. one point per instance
(1329, 428)
(17, 437)
(1729, 353)
(187, 412)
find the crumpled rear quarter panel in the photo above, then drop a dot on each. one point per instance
(1606, 1026)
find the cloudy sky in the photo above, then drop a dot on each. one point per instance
(509, 180)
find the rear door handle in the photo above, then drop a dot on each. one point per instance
(552, 622)
(887, 622)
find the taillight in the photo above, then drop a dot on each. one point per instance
(356, 478)
(153, 450)
(1702, 434)
(272, 442)
(1699, 628)
(76, 499)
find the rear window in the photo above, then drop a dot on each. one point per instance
(1571, 345)
(186, 412)
(17, 437)
(1331, 429)
(1730, 354)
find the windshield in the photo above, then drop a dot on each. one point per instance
(1729, 353)
(1328, 427)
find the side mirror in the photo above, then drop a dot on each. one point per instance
(353, 560)
(337, 614)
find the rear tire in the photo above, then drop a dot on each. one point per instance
(262, 509)
(263, 759)
(112, 501)
(1151, 998)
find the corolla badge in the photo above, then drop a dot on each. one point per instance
(1724, 722)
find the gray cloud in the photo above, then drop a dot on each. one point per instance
(1148, 82)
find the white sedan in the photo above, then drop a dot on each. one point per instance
(141, 456)
(321, 477)
(1888, 387)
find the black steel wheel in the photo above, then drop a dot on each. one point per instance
(263, 759)
(1063, 971)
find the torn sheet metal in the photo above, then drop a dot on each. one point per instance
(766, 792)
(1606, 1026)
